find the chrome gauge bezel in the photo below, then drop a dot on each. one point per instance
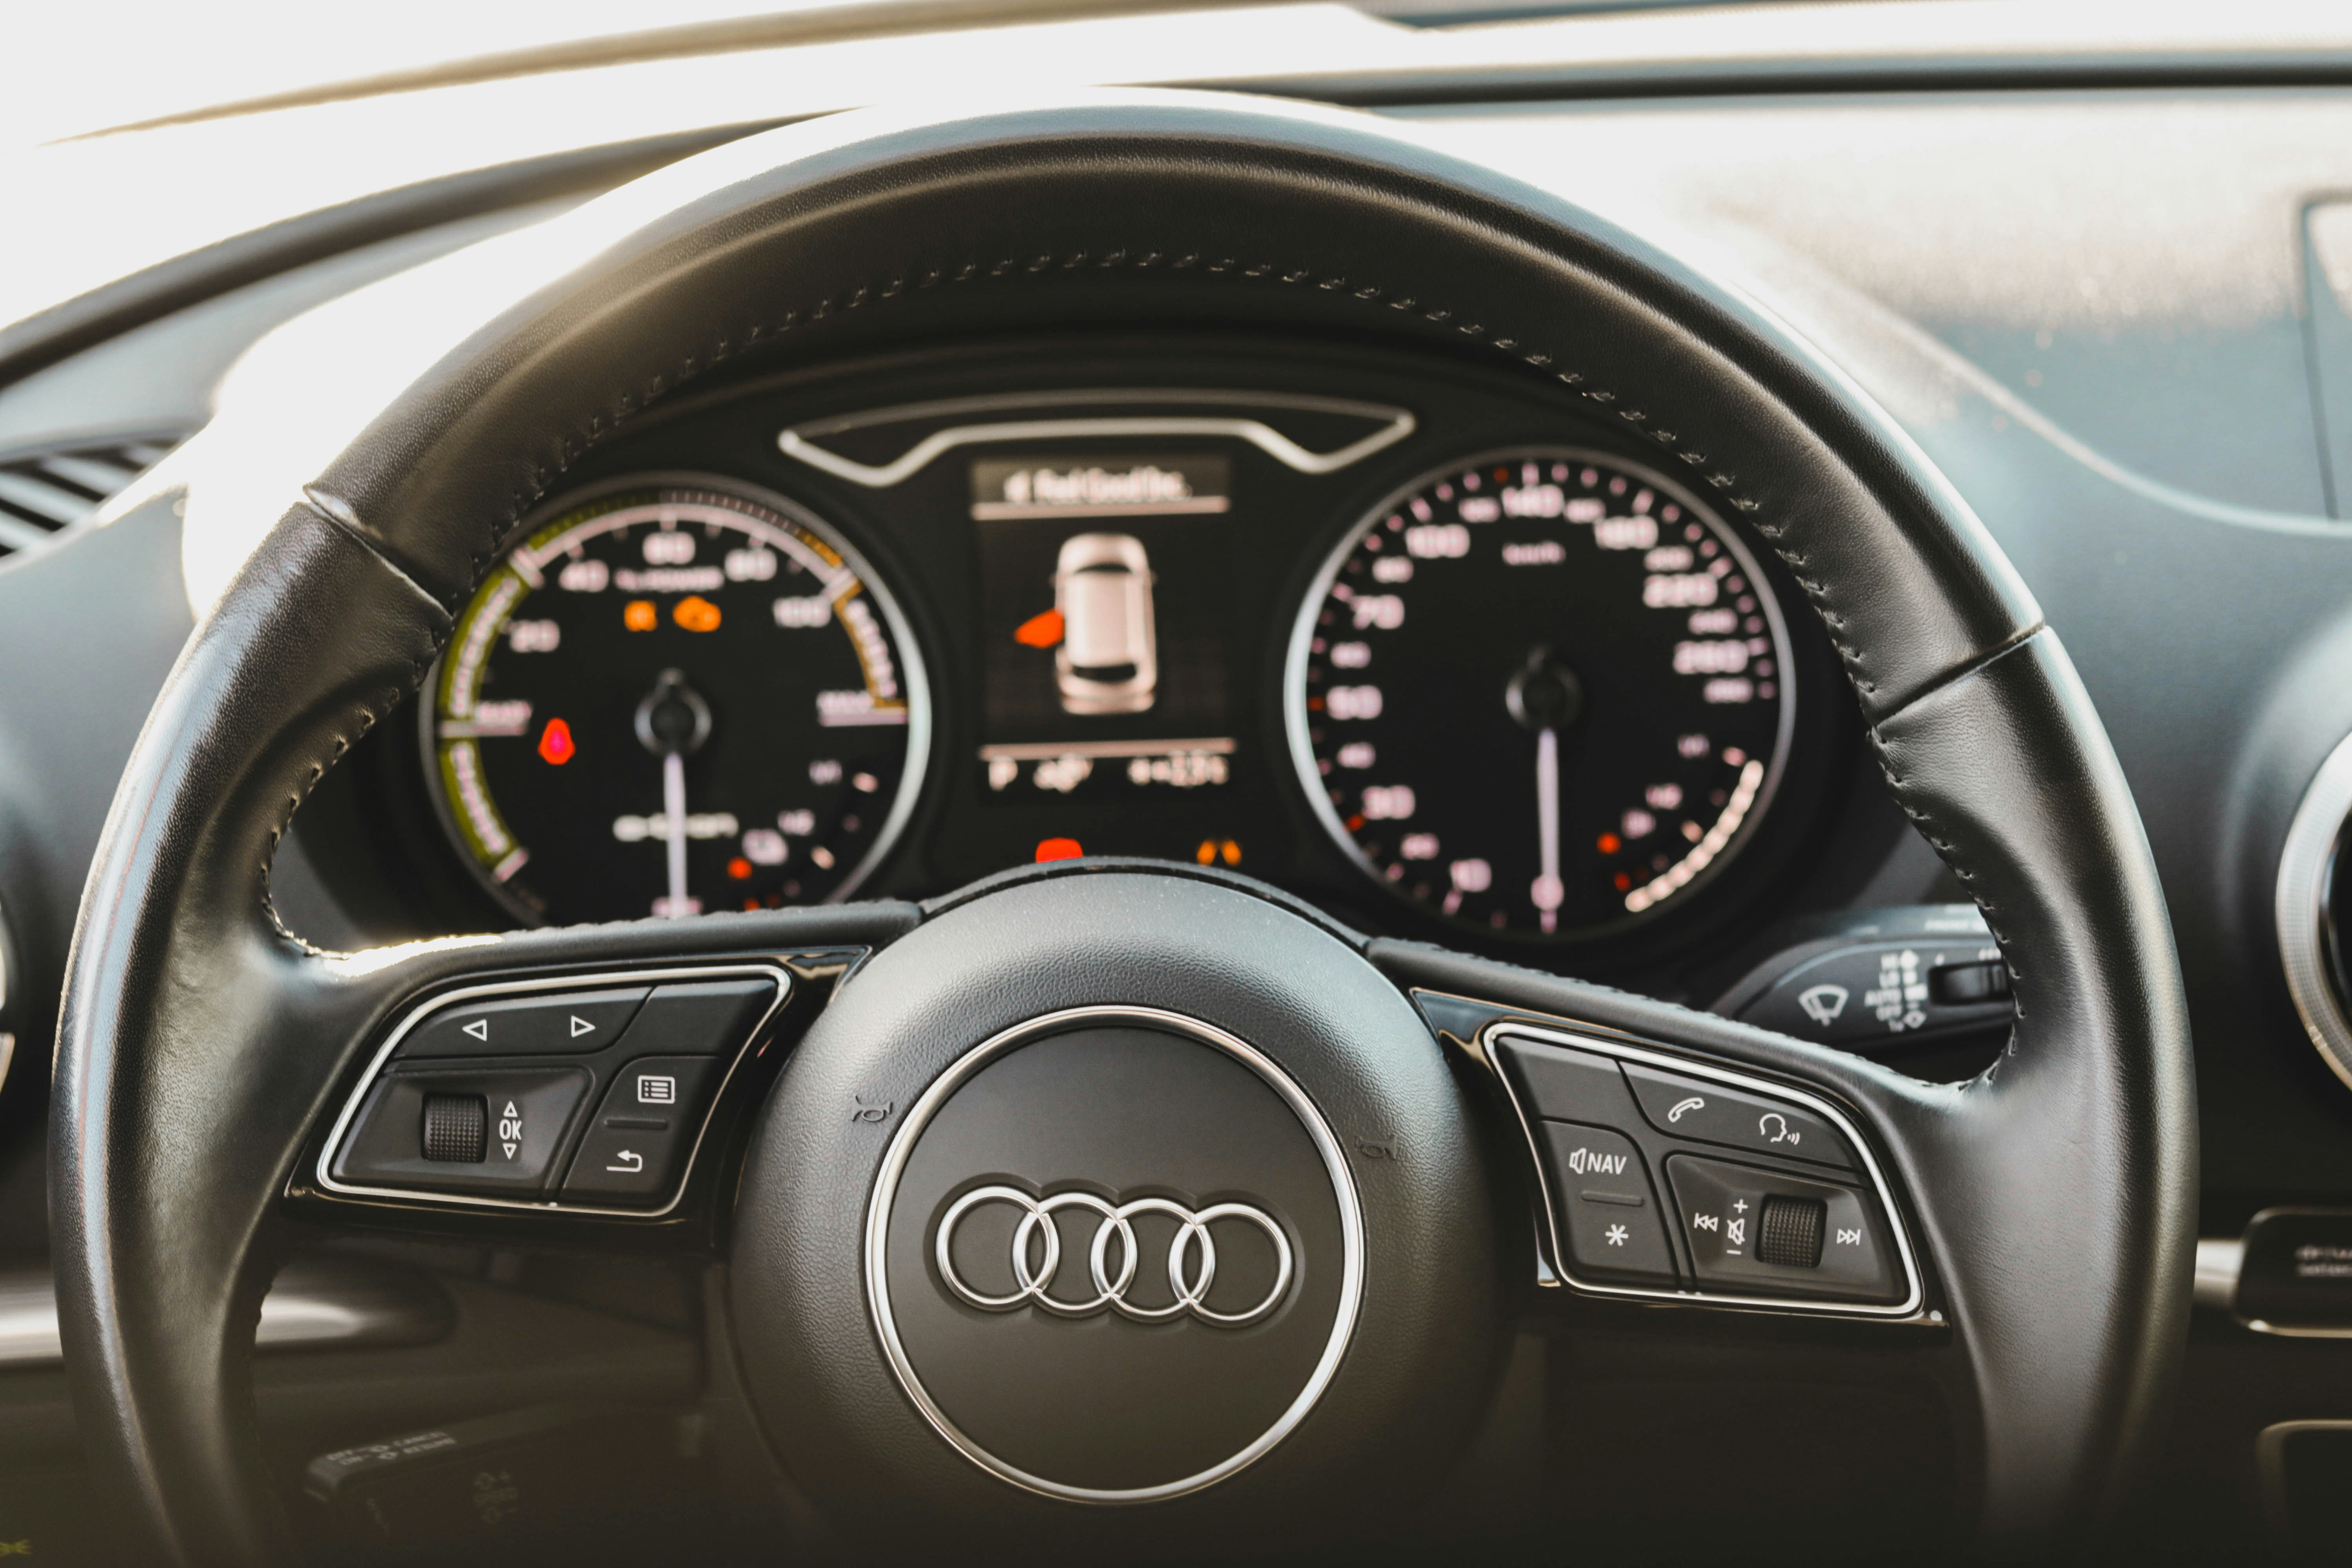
(913, 671)
(1302, 636)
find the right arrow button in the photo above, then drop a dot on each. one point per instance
(1712, 1113)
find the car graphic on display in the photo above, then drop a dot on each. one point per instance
(1108, 661)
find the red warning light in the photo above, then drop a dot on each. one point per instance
(1039, 631)
(1608, 844)
(555, 742)
(1058, 849)
(739, 869)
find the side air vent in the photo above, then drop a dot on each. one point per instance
(42, 494)
(2314, 910)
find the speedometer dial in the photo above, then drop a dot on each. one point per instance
(1543, 692)
(672, 696)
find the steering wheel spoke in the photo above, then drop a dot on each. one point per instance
(575, 1085)
(1660, 1169)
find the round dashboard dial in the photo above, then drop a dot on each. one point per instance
(675, 696)
(1544, 692)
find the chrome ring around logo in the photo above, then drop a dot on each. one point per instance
(1188, 1281)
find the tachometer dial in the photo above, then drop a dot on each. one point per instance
(670, 698)
(1544, 692)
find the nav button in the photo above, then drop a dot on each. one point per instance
(1609, 1222)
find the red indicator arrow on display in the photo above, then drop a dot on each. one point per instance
(1039, 631)
(555, 742)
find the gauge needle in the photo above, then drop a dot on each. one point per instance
(1546, 891)
(1545, 696)
(674, 808)
(672, 721)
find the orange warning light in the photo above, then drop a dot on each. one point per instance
(555, 742)
(639, 615)
(1039, 631)
(1058, 849)
(1608, 844)
(1230, 852)
(696, 613)
(739, 869)
(1207, 853)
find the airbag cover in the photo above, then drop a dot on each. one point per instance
(1110, 1385)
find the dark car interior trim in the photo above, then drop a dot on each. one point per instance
(1938, 636)
(2016, 365)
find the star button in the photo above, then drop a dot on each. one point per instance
(1616, 1234)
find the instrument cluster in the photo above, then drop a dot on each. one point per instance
(1442, 654)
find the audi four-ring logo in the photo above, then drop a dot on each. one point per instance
(1191, 1257)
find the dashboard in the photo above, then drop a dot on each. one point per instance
(1422, 645)
(1440, 649)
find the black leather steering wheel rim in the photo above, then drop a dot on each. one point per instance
(2056, 1194)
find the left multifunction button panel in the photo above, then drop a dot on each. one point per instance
(1669, 1178)
(579, 1093)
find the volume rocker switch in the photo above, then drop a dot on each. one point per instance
(1767, 1233)
(1788, 1232)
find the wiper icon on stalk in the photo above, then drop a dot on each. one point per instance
(1823, 1004)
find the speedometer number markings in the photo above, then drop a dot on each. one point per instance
(1542, 692)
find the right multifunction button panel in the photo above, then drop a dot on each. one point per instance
(1668, 1178)
(581, 1094)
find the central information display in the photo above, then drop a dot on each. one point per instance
(1104, 606)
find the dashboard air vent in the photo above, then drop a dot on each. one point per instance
(42, 494)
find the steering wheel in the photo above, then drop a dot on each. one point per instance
(1324, 1104)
